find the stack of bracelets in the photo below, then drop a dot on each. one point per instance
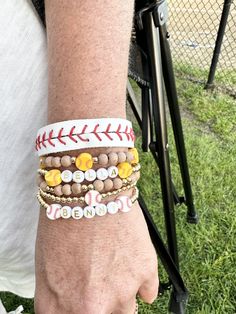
(78, 186)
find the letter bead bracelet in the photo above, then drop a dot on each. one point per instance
(112, 174)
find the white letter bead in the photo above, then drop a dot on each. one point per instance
(102, 174)
(101, 209)
(112, 207)
(54, 211)
(124, 203)
(78, 176)
(92, 198)
(90, 175)
(89, 211)
(66, 212)
(77, 212)
(112, 171)
(66, 176)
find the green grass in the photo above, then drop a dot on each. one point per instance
(207, 251)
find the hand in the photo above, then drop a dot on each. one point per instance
(94, 266)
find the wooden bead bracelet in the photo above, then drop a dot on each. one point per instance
(122, 203)
(90, 195)
(54, 177)
(98, 185)
(83, 159)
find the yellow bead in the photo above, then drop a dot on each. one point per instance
(135, 154)
(84, 161)
(124, 169)
(53, 177)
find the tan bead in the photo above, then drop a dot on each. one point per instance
(66, 189)
(76, 188)
(66, 161)
(43, 186)
(103, 159)
(129, 156)
(117, 183)
(58, 190)
(56, 162)
(98, 185)
(121, 157)
(48, 161)
(113, 158)
(108, 184)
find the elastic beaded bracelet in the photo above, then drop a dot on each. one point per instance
(83, 159)
(98, 185)
(91, 198)
(54, 177)
(122, 203)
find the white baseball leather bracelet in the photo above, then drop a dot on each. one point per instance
(84, 133)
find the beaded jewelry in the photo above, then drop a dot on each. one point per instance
(54, 177)
(102, 159)
(122, 203)
(83, 199)
(98, 185)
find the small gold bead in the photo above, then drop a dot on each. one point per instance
(69, 200)
(63, 199)
(115, 192)
(103, 195)
(75, 199)
(109, 193)
(95, 160)
(84, 187)
(124, 188)
(57, 199)
(73, 159)
(53, 198)
(90, 187)
(129, 179)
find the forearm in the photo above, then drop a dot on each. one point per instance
(88, 46)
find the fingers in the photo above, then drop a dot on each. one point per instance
(148, 291)
(127, 308)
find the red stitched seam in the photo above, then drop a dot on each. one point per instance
(60, 136)
(43, 139)
(118, 132)
(71, 134)
(50, 138)
(95, 133)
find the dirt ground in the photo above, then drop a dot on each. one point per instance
(193, 27)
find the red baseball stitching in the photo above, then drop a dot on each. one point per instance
(43, 141)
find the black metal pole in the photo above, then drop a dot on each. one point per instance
(219, 40)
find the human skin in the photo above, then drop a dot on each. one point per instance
(98, 265)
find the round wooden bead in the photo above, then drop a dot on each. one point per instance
(124, 169)
(112, 207)
(129, 156)
(92, 198)
(56, 162)
(66, 161)
(124, 203)
(84, 161)
(98, 185)
(117, 183)
(66, 176)
(58, 190)
(77, 212)
(78, 176)
(101, 209)
(53, 177)
(54, 211)
(134, 151)
(66, 189)
(103, 159)
(108, 185)
(112, 171)
(102, 174)
(48, 161)
(90, 175)
(113, 158)
(43, 186)
(121, 157)
(76, 188)
(66, 212)
(89, 211)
